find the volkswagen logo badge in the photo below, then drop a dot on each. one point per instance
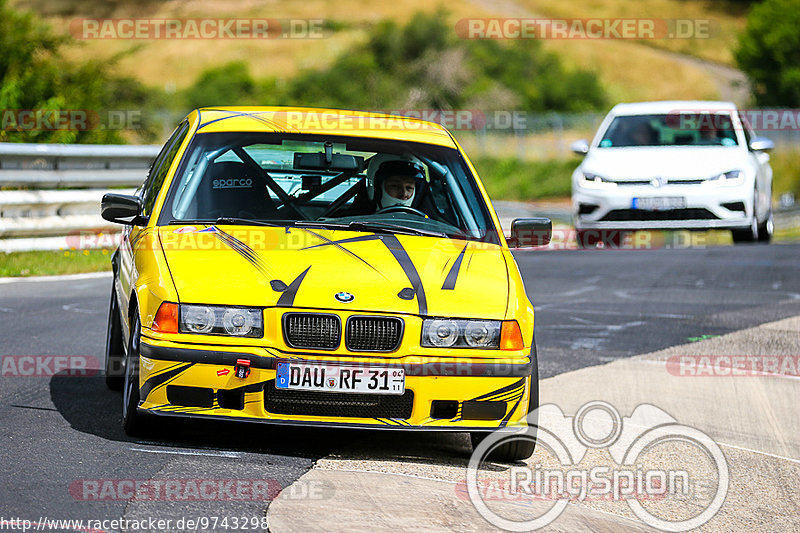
(344, 297)
(658, 182)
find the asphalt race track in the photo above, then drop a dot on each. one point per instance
(593, 306)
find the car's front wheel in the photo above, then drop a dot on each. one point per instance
(518, 448)
(766, 229)
(751, 234)
(133, 423)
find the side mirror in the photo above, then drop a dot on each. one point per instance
(529, 232)
(121, 208)
(761, 144)
(580, 147)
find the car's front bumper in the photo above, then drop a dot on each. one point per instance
(705, 207)
(437, 390)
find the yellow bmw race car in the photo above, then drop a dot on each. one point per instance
(322, 268)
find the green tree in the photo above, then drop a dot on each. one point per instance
(419, 65)
(34, 76)
(230, 83)
(769, 52)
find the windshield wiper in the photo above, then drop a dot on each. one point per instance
(376, 227)
(229, 220)
(393, 228)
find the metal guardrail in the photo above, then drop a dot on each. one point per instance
(51, 191)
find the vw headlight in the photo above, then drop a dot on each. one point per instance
(219, 320)
(730, 178)
(593, 181)
(446, 333)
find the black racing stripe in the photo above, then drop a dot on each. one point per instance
(237, 245)
(501, 391)
(469, 261)
(450, 281)
(401, 256)
(287, 296)
(340, 247)
(234, 114)
(510, 412)
(329, 242)
(244, 250)
(157, 381)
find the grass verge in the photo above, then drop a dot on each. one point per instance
(785, 164)
(50, 263)
(512, 179)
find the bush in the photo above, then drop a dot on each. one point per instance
(512, 179)
(421, 65)
(221, 86)
(769, 52)
(34, 76)
(785, 164)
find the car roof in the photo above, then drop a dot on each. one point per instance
(309, 120)
(670, 107)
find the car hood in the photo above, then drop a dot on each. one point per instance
(307, 268)
(670, 162)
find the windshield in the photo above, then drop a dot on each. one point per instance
(327, 181)
(675, 129)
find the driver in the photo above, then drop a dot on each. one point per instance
(397, 182)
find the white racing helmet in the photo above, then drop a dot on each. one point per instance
(384, 199)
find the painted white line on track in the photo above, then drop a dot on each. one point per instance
(65, 277)
(582, 290)
(232, 455)
(759, 452)
(74, 308)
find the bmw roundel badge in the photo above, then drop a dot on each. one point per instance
(344, 297)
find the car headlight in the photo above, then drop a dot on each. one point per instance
(730, 178)
(447, 333)
(220, 320)
(593, 181)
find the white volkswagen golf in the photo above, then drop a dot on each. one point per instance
(680, 165)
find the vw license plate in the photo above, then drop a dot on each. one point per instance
(336, 378)
(660, 202)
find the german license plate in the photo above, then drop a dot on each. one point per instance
(659, 203)
(338, 378)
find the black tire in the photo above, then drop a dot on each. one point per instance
(133, 423)
(747, 235)
(115, 349)
(751, 234)
(766, 228)
(517, 449)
